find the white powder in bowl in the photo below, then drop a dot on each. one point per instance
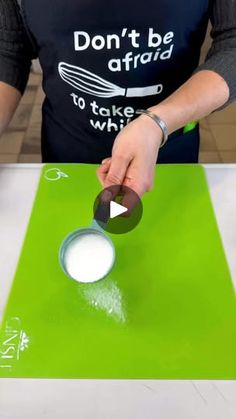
(89, 257)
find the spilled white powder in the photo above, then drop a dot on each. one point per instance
(89, 257)
(106, 296)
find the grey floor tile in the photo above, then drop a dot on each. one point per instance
(29, 96)
(209, 157)
(225, 136)
(8, 158)
(11, 142)
(34, 79)
(29, 158)
(40, 95)
(228, 156)
(21, 118)
(31, 147)
(225, 116)
(208, 142)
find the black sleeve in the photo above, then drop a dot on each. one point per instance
(16, 50)
(221, 57)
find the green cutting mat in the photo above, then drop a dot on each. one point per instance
(167, 310)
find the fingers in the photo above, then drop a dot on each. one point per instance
(117, 170)
(129, 201)
(135, 174)
(103, 170)
(107, 160)
(139, 177)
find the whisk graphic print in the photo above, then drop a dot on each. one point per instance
(90, 83)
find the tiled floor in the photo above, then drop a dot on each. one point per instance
(21, 142)
(218, 137)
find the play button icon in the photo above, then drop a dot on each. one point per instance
(118, 209)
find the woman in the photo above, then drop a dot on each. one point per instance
(102, 61)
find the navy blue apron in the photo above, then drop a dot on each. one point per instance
(102, 60)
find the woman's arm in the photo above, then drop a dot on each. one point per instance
(9, 100)
(212, 86)
(15, 60)
(136, 147)
(221, 57)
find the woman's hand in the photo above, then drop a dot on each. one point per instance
(134, 156)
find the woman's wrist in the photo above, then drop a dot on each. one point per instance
(167, 113)
(152, 128)
(160, 123)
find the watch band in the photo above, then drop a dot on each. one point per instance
(158, 121)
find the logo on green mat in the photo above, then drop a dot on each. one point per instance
(13, 342)
(54, 174)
